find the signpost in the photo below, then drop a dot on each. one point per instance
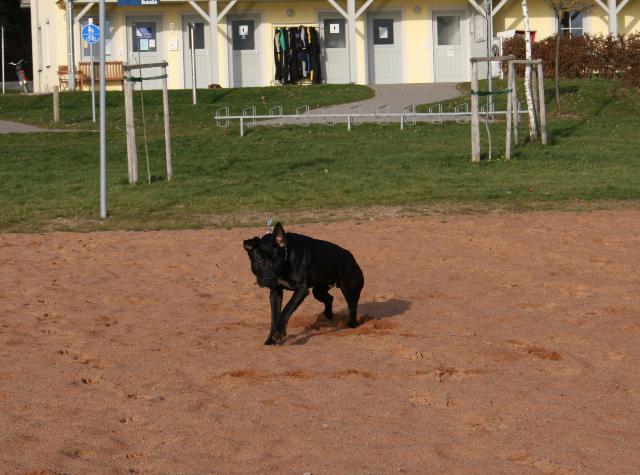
(3, 60)
(103, 128)
(91, 34)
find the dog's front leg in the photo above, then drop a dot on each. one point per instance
(297, 298)
(275, 298)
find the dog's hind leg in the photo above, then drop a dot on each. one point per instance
(321, 293)
(351, 288)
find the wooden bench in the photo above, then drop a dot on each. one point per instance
(63, 77)
(112, 70)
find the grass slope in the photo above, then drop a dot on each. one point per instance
(50, 181)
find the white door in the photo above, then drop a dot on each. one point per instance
(335, 55)
(145, 45)
(201, 40)
(450, 49)
(245, 62)
(385, 56)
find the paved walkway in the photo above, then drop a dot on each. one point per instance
(7, 127)
(399, 96)
(396, 96)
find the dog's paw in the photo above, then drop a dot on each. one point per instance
(353, 324)
(270, 341)
(279, 338)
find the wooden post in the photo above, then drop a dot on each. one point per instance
(475, 114)
(56, 104)
(507, 146)
(167, 124)
(515, 108)
(534, 89)
(132, 153)
(543, 108)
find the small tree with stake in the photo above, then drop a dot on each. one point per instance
(560, 7)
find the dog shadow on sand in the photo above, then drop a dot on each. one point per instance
(370, 315)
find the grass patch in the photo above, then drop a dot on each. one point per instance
(50, 181)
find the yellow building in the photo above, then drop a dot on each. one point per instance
(365, 42)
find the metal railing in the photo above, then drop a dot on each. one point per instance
(328, 116)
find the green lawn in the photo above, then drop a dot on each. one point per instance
(50, 181)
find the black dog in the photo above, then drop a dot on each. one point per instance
(295, 262)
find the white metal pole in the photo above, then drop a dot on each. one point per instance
(93, 88)
(71, 65)
(192, 27)
(3, 60)
(103, 130)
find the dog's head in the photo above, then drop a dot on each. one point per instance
(268, 256)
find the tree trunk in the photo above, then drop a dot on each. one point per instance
(533, 122)
(557, 64)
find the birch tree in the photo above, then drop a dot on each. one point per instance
(533, 122)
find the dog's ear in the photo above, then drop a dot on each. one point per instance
(250, 243)
(280, 235)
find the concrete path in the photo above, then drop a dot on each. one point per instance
(395, 96)
(399, 96)
(7, 127)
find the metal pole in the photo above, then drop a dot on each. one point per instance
(3, 60)
(489, 11)
(193, 64)
(103, 130)
(93, 88)
(71, 62)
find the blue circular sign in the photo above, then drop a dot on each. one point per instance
(91, 33)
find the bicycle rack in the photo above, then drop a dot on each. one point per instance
(357, 109)
(382, 120)
(220, 121)
(411, 112)
(328, 115)
(250, 111)
(302, 119)
(462, 108)
(277, 110)
(436, 109)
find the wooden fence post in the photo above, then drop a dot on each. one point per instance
(507, 145)
(543, 108)
(167, 125)
(132, 153)
(56, 104)
(475, 114)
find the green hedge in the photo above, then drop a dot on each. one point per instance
(585, 56)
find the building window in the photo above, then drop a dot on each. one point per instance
(383, 32)
(198, 35)
(571, 24)
(86, 49)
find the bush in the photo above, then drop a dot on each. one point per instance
(585, 56)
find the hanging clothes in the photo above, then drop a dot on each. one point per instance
(277, 54)
(296, 53)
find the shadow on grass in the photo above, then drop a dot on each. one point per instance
(371, 311)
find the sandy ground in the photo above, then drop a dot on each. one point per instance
(491, 344)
